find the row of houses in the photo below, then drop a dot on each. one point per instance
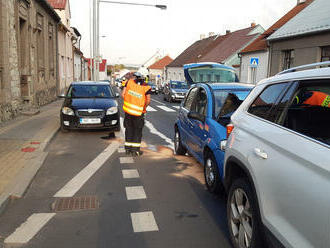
(39, 54)
(301, 36)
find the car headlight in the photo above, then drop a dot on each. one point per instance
(67, 111)
(112, 110)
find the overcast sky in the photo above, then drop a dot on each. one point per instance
(135, 33)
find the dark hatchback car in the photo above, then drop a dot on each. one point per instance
(90, 105)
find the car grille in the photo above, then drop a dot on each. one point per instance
(181, 94)
(91, 113)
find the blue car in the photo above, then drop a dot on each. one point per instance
(202, 125)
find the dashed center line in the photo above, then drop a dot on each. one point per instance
(126, 160)
(135, 193)
(144, 222)
(29, 228)
(127, 174)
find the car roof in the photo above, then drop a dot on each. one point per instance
(319, 73)
(90, 83)
(229, 86)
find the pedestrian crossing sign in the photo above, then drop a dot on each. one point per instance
(254, 62)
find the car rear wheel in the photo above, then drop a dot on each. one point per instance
(178, 147)
(211, 174)
(243, 216)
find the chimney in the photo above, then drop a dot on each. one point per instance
(227, 31)
(253, 24)
(300, 1)
(211, 34)
(202, 36)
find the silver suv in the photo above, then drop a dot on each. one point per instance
(277, 162)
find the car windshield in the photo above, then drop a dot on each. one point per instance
(178, 85)
(226, 103)
(90, 91)
(208, 74)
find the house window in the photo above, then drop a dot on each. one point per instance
(40, 42)
(288, 59)
(51, 49)
(325, 53)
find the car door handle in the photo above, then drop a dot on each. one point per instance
(260, 154)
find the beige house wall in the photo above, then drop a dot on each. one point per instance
(27, 56)
(65, 51)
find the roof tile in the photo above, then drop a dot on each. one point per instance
(57, 4)
(160, 64)
(261, 42)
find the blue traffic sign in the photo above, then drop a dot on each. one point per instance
(254, 62)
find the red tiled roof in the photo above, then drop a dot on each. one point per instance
(228, 45)
(57, 4)
(192, 53)
(160, 64)
(261, 42)
(214, 48)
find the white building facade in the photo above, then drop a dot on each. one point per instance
(251, 73)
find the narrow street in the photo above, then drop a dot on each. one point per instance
(157, 200)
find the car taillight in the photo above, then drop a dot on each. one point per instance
(230, 128)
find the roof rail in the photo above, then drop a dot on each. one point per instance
(304, 67)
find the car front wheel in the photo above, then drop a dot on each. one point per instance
(178, 147)
(243, 216)
(211, 174)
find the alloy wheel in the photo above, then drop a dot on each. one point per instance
(176, 140)
(210, 173)
(241, 221)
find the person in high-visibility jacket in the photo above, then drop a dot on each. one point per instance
(136, 97)
(314, 98)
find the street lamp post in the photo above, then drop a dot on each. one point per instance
(96, 29)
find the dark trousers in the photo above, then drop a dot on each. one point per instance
(133, 131)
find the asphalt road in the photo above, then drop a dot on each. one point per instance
(165, 205)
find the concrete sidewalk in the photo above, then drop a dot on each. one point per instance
(22, 145)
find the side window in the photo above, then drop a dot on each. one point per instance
(190, 98)
(200, 104)
(263, 104)
(308, 112)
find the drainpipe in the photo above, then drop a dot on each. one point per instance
(57, 63)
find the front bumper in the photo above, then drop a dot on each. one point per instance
(107, 122)
(177, 97)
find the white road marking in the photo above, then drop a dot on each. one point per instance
(29, 228)
(144, 222)
(151, 109)
(157, 101)
(135, 193)
(156, 132)
(130, 174)
(72, 187)
(176, 107)
(166, 109)
(121, 150)
(126, 160)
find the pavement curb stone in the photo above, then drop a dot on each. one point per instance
(18, 186)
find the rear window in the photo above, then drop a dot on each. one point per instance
(226, 103)
(208, 74)
(90, 91)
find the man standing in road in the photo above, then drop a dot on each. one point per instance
(136, 97)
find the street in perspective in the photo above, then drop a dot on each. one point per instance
(156, 124)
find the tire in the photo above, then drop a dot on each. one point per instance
(178, 147)
(248, 221)
(212, 175)
(64, 129)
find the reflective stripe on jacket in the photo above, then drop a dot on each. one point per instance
(135, 98)
(318, 99)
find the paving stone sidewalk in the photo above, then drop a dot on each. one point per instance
(22, 145)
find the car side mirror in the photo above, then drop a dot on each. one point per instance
(62, 96)
(117, 95)
(196, 116)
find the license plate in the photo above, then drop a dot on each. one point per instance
(90, 120)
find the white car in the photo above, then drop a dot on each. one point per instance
(277, 162)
